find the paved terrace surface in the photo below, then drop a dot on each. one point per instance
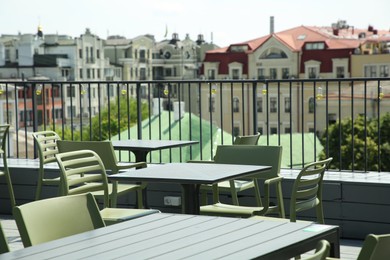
(349, 248)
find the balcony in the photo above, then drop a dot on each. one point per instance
(303, 116)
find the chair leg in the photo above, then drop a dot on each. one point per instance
(140, 201)
(39, 190)
(320, 214)
(203, 197)
(10, 190)
(279, 195)
(233, 192)
(259, 201)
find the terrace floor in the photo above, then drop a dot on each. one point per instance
(349, 248)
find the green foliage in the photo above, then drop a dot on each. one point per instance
(359, 147)
(106, 123)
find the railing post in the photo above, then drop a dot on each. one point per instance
(254, 98)
(139, 110)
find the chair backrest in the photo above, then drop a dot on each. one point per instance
(49, 219)
(3, 137)
(247, 139)
(307, 188)
(3, 241)
(321, 252)
(104, 149)
(251, 155)
(4, 129)
(81, 172)
(375, 247)
(46, 142)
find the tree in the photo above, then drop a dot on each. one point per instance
(360, 149)
(106, 123)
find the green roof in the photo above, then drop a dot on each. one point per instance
(300, 142)
(164, 127)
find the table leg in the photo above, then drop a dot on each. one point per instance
(191, 198)
(140, 156)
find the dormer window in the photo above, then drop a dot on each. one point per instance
(315, 46)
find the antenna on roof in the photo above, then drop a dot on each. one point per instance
(271, 25)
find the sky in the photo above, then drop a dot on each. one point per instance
(222, 22)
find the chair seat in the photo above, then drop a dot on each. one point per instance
(239, 185)
(115, 215)
(121, 188)
(231, 210)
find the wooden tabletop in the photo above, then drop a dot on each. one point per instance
(177, 236)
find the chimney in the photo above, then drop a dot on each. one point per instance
(271, 25)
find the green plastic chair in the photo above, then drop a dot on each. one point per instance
(106, 153)
(46, 142)
(4, 248)
(375, 247)
(321, 252)
(307, 190)
(4, 132)
(235, 186)
(250, 155)
(49, 219)
(83, 171)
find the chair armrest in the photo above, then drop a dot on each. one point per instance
(267, 185)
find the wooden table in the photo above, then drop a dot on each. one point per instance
(178, 236)
(141, 148)
(190, 176)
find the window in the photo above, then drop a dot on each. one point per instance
(285, 73)
(65, 73)
(383, 71)
(81, 73)
(71, 110)
(311, 105)
(312, 72)
(86, 54)
(70, 91)
(88, 73)
(287, 130)
(211, 104)
(236, 105)
(7, 55)
(56, 91)
(273, 130)
(273, 73)
(340, 72)
(80, 53)
(287, 105)
(168, 72)
(211, 74)
(273, 104)
(273, 53)
(142, 74)
(58, 113)
(370, 71)
(111, 91)
(98, 54)
(260, 73)
(259, 105)
(235, 74)
(236, 131)
(98, 73)
(315, 46)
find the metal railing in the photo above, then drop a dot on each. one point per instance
(301, 115)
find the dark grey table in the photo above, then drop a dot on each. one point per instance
(190, 176)
(178, 236)
(141, 148)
